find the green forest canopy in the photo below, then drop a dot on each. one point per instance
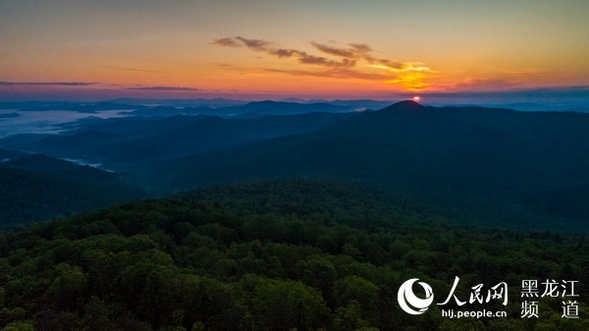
(274, 255)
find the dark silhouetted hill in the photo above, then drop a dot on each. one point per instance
(37, 187)
(485, 163)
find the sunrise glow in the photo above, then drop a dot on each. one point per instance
(303, 49)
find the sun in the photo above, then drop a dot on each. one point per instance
(416, 98)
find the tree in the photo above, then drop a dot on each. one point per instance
(284, 305)
(363, 292)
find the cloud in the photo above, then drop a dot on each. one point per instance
(230, 42)
(361, 48)
(361, 52)
(162, 88)
(485, 85)
(305, 58)
(3, 83)
(285, 52)
(319, 60)
(410, 75)
(413, 81)
(266, 47)
(347, 53)
(256, 44)
(132, 69)
(333, 73)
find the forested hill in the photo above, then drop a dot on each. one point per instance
(494, 165)
(36, 187)
(523, 170)
(278, 255)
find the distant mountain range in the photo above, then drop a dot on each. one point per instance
(495, 167)
(489, 164)
(237, 108)
(118, 141)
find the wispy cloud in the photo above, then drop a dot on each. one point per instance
(162, 88)
(497, 78)
(343, 52)
(132, 69)
(226, 42)
(334, 73)
(4, 83)
(485, 85)
(339, 62)
(362, 48)
(269, 48)
(256, 44)
(359, 52)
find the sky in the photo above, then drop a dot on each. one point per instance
(86, 49)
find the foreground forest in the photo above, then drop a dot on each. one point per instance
(276, 255)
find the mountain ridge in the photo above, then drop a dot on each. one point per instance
(456, 156)
(495, 165)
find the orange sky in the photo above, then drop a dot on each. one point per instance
(275, 49)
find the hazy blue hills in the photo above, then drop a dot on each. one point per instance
(165, 108)
(89, 107)
(230, 103)
(192, 103)
(489, 164)
(140, 139)
(287, 108)
(251, 109)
